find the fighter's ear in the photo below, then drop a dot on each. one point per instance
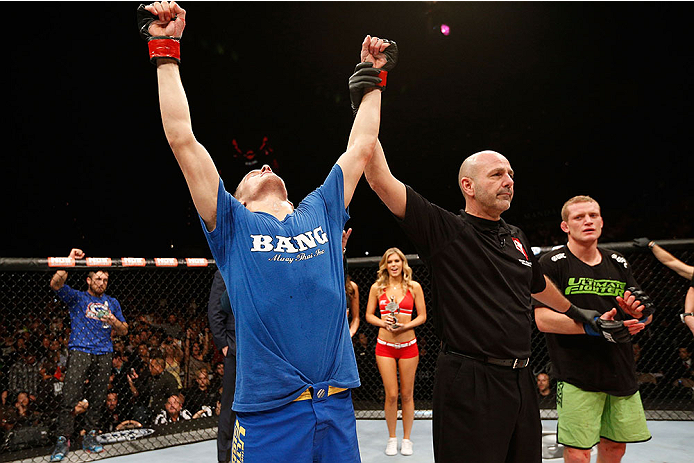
(564, 227)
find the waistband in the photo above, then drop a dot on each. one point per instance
(306, 395)
(397, 345)
(511, 363)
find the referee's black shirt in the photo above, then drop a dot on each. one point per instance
(483, 274)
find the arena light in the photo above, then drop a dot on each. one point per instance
(445, 29)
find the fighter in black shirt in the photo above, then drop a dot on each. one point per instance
(597, 391)
(483, 276)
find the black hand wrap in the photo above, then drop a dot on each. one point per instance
(365, 77)
(159, 47)
(648, 307)
(641, 242)
(583, 316)
(144, 19)
(391, 55)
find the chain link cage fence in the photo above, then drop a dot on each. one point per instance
(164, 302)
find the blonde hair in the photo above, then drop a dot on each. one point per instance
(574, 200)
(382, 276)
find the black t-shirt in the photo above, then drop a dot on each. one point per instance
(483, 274)
(590, 362)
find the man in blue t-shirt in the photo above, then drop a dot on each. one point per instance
(93, 316)
(283, 270)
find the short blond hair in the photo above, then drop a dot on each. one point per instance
(574, 200)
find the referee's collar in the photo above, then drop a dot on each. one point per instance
(481, 223)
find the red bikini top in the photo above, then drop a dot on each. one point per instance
(406, 305)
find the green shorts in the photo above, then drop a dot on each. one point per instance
(585, 417)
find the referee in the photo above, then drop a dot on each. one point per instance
(483, 276)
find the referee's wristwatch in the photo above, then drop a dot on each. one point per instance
(686, 314)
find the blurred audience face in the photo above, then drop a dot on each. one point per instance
(111, 401)
(173, 405)
(684, 353)
(156, 367)
(203, 380)
(543, 383)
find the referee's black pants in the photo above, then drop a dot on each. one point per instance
(227, 417)
(484, 413)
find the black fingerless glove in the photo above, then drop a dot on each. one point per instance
(365, 78)
(642, 297)
(159, 47)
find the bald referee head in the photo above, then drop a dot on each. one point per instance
(486, 180)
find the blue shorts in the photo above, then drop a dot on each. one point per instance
(321, 429)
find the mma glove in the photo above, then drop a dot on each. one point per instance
(365, 78)
(159, 47)
(648, 308)
(612, 330)
(364, 73)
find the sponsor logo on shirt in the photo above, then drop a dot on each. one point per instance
(304, 246)
(97, 310)
(525, 262)
(621, 260)
(559, 256)
(519, 246)
(597, 287)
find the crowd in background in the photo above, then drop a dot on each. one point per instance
(165, 370)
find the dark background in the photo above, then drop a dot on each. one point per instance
(582, 98)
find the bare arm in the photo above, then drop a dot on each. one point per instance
(371, 309)
(364, 134)
(672, 262)
(58, 280)
(549, 321)
(689, 308)
(194, 160)
(552, 297)
(354, 310)
(391, 190)
(121, 328)
(421, 308)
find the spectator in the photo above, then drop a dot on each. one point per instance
(200, 396)
(25, 413)
(194, 357)
(685, 372)
(94, 317)
(545, 392)
(217, 376)
(173, 411)
(173, 356)
(25, 374)
(152, 391)
(112, 414)
(119, 381)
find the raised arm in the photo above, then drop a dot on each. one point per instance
(195, 162)
(391, 190)
(672, 262)
(60, 277)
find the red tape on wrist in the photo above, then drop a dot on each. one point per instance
(164, 47)
(383, 75)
